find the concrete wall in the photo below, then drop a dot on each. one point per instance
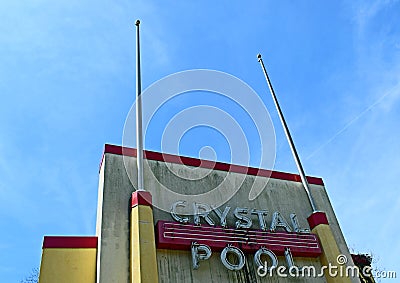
(113, 216)
(176, 266)
(115, 189)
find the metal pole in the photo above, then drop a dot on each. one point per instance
(289, 137)
(139, 137)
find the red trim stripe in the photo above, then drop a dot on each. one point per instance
(317, 218)
(141, 198)
(171, 235)
(69, 242)
(189, 161)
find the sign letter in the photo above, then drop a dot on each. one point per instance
(279, 221)
(244, 221)
(296, 225)
(260, 215)
(197, 214)
(175, 216)
(199, 252)
(264, 265)
(222, 215)
(239, 254)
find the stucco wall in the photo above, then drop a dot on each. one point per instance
(115, 189)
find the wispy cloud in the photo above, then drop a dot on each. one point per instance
(387, 100)
(364, 11)
(360, 156)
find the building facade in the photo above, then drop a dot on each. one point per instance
(200, 221)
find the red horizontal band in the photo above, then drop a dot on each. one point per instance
(317, 218)
(361, 260)
(141, 198)
(189, 161)
(73, 242)
(172, 235)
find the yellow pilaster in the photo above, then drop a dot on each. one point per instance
(330, 250)
(68, 259)
(143, 247)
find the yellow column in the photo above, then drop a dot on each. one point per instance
(143, 245)
(330, 251)
(68, 259)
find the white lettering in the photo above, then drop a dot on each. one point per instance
(296, 226)
(202, 210)
(239, 254)
(222, 215)
(261, 221)
(175, 216)
(201, 213)
(199, 252)
(268, 253)
(243, 221)
(279, 221)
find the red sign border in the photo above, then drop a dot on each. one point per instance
(178, 236)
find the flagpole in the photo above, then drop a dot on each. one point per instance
(139, 134)
(289, 137)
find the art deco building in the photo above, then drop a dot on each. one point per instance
(195, 222)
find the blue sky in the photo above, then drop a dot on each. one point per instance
(67, 82)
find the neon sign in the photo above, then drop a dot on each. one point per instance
(269, 239)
